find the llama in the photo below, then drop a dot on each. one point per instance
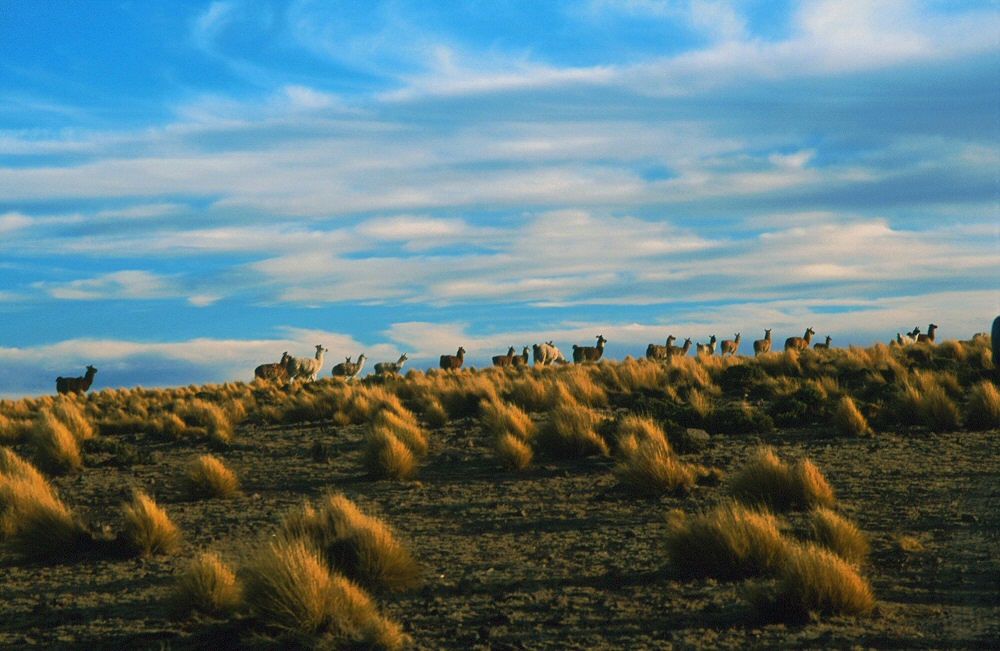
(304, 367)
(546, 354)
(929, 337)
(522, 359)
(453, 362)
(349, 370)
(730, 346)
(390, 368)
(679, 351)
(707, 349)
(908, 338)
(800, 343)
(822, 346)
(583, 354)
(504, 360)
(76, 384)
(273, 372)
(657, 353)
(763, 346)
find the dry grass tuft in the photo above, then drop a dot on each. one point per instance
(207, 477)
(767, 481)
(56, 450)
(513, 452)
(148, 528)
(730, 542)
(68, 411)
(983, 411)
(207, 586)
(653, 469)
(814, 580)
(361, 546)
(404, 426)
(848, 420)
(839, 535)
(571, 431)
(211, 416)
(33, 520)
(386, 457)
(500, 418)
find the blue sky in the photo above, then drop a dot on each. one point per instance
(188, 189)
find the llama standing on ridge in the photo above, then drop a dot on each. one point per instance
(583, 354)
(76, 384)
(304, 367)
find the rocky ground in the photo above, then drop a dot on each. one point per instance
(553, 557)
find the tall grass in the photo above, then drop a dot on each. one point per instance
(839, 535)
(361, 546)
(814, 580)
(983, 410)
(290, 587)
(206, 477)
(730, 542)
(767, 481)
(34, 522)
(570, 431)
(384, 456)
(148, 529)
(647, 464)
(207, 586)
(848, 420)
(56, 449)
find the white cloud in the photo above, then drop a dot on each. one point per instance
(13, 221)
(129, 284)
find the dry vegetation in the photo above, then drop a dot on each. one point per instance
(843, 497)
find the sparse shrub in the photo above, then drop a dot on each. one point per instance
(848, 420)
(207, 586)
(513, 452)
(148, 528)
(56, 450)
(386, 457)
(983, 411)
(766, 480)
(361, 546)
(730, 542)
(814, 580)
(207, 477)
(839, 535)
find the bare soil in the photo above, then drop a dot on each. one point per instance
(554, 557)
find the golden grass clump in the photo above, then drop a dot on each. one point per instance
(33, 520)
(207, 586)
(386, 457)
(571, 430)
(814, 580)
(839, 535)
(206, 477)
(210, 416)
(529, 392)
(404, 426)
(848, 420)
(767, 481)
(579, 382)
(730, 542)
(56, 450)
(291, 588)
(69, 412)
(513, 452)
(500, 418)
(148, 529)
(938, 411)
(983, 410)
(13, 429)
(652, 468)
(361, 546)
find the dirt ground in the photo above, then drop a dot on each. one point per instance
(553, 557)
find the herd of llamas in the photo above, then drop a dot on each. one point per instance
(289, 368)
